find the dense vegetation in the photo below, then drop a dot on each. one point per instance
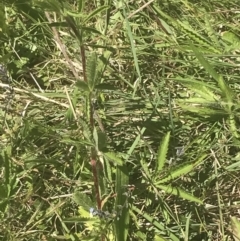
(119, 120)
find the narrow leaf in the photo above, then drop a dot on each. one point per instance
(82, 85)
(182, 170)
(145, 169)
(135, 143)
(180, 193)
(130, 35)
(113, 157)
(226, 91)
(155, 223)
(122, 223)
(92, 70)
(162, 152)
(205, 63)
(82, 200)
(200, 88)
(94, 13)
(235, 224)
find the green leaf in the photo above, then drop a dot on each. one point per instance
(235, 224)
(200, 88)
(226, 91)
(134, 53)
(135, 143)
(82, 85)
(102, 140)
(92, 72)
(197, 38)
(159, 238)
(181, 170)
(3, 25)
(155, 223)
(232, 38)
(122, 223)
(203, 111)
(145, 169)
(94, 13)
(113, 157)
(105, 86)
(82, 200)
(180, 193)
(162, 152)
(50, 5)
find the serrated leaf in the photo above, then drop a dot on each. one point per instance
(162, 152)
(145, 169)
(135, 143)
(158, 225)
(200, 88)
(226, 91)
(102, 140)
(82, 200)
(113, 157)
(235, 225)
(86, 130)
(181, 170)
(92, 72)
(203, 111)
(89, 222)
(205, 63)
(105, 86)
(231, 38)
(228, 94)
(95, 12)
(122, 223)
(180, 193)
(82, 85)
(197, 38)
(233, 126)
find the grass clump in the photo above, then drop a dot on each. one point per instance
(119, 120)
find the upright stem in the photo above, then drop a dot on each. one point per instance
(93, 159)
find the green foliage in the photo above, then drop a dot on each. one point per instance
(236, 228)
(162, 153)
(122, 223)
(125, 108)
(92, 71)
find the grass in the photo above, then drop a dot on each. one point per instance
(126, 107)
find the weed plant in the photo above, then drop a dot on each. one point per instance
(119, 120)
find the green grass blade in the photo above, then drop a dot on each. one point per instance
(94, 13)
(235, 224)
(135, 143)
(113, 157)
(162, 152)
(122, 223)
(181, 170)
(180, 193)
(226, 91)
(145, 169)
(187, 227)
(92, 70)
(129, 32)
(156, 224)
(200, 88)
